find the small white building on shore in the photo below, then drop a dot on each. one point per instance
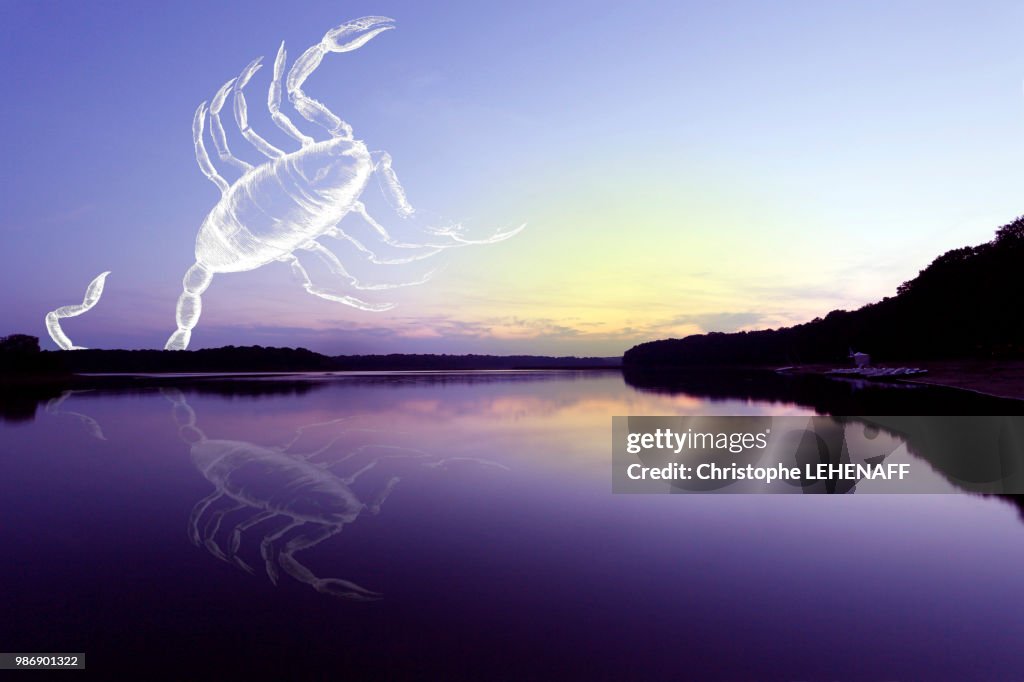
(860, 359)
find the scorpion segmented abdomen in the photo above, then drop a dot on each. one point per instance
(268, 479)
(282, 205)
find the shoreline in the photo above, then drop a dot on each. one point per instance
(50, 383)
(995, 378)
(998, 379)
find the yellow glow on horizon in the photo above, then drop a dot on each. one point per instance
(645, 265)
(600, 268)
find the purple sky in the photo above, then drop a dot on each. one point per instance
(682, 167)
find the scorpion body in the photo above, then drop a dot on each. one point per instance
(239, 235)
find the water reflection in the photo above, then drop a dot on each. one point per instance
(799, 442)
(293, 500)
(972, 442)
(537, 567)
(54, 407)
(822, 394)
(283, 497)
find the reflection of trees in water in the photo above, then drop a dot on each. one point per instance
(457, 378)
(983, 453)
(822, 394)
(800, 442)
(796, 442)
(19, 402)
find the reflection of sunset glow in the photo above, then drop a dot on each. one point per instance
(422, 406)
(511, 418)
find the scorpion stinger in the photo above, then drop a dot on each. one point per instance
(53, 406)
(53, 318)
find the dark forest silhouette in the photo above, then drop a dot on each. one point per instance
(20, 356)
(966, 304)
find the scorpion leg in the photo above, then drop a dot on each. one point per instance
(267, 545)
(442, 463)
(359, 208)
(450, 237)
(242, 113)
(220, 140)
(347, 456)
(205, 165)
(197, 512)
(349, 480)
(373, 257)
(236, 536)
(394, 193)
(357, 33)
(392, 188)
(351, 453)
(213, 527)
(336, 268)
(336, 587)
(302, 429)
(274, 102)
(376, 503)
(308, 285)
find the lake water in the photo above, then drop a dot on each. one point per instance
(447, 526)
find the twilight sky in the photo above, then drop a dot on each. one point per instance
(682, 166)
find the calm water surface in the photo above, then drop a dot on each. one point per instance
(462, 525)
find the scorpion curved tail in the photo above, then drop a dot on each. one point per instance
(195, 282)
(53, 318)
(184, 416)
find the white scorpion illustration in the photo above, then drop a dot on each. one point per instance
(289, 202)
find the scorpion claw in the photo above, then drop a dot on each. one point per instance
(363, 30)
(254, 66)
(272, 572)
(344, 589)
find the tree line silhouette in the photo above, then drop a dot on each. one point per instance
(21, 356)
(966, 303)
